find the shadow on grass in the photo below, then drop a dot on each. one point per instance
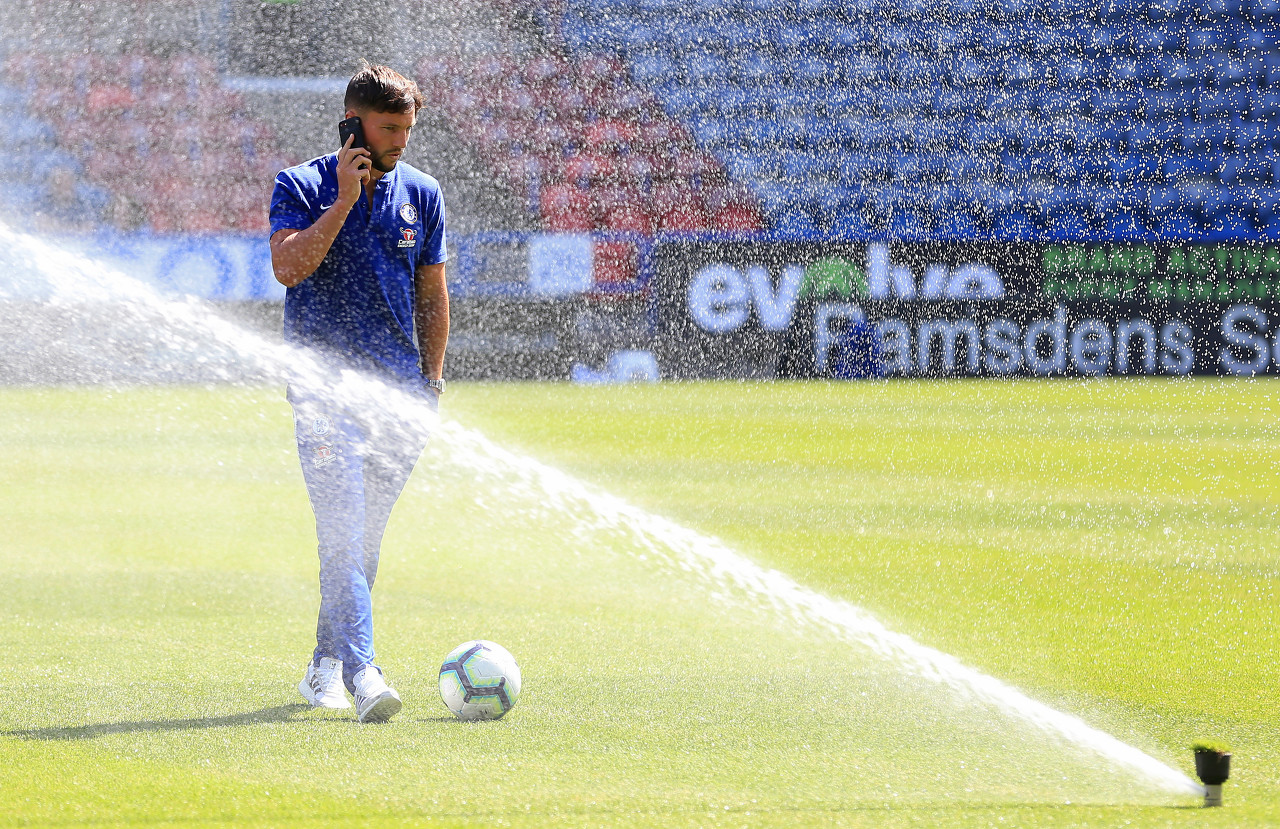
(280, 713)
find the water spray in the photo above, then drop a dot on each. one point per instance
(74, 281)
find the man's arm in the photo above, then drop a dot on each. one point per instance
(295, 254)
(431, 317)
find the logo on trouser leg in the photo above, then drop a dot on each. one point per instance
(324, 455)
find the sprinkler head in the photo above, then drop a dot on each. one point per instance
(1213, 767)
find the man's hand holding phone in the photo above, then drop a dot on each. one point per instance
(354, 164)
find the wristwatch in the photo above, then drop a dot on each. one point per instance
(438, 385)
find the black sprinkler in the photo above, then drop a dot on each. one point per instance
(1213, 767)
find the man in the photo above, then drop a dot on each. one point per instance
(358, 239)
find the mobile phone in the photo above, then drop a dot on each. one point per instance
(348, 127)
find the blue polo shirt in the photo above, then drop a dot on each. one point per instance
(356, 310)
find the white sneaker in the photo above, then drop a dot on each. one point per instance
(376, 701)
(322, 686)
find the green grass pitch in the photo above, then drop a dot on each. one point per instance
(1109, 547)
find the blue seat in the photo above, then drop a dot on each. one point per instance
(1111, 102)
(1250, 135)
(853, 37)
(580, 36)
(1223, 102)
(950, 103)
(1265, 105)
(908, 224)
(743, 166)
(1176, 70)
(1113, 132)
(1269, 229)
(1124, 226)
(1220, 9)
(828, 201)
(1007, 99)
(709, 130)
(984, 134)
(1268, 74)
(1179, 226)
(1212, 38)
(1165, 200)
(755, 7)
(651, 68)
(1015, 225)
(755, 66)
(846, 100)
(704, 67)
(707, 8)
(850, 225)
(816, 69)
(1181, 168)
(1195, 137)
(810, 9)
(1160, 10)
(1229, 225)
(1123, 11)
(776, 197)
(794, 166)
(957, 225)
(1068, 224)
(1245, 168)
(795, 224)
(856, 167)
(656, 8)
(1128, 168)
(909, 101)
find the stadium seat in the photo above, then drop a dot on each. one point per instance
(1263, 10)
(630, 218)
(1229, 224)
(1246, 168)
(956, 225)
(1015, 226)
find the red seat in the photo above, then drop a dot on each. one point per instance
(684, 218)
(616, 263)
(567, 208)
(568, 221)
(629, 218)
(589, 166)
(736, 217)
(668, 195)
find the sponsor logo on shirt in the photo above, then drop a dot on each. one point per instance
(408, 236)
(324, 455)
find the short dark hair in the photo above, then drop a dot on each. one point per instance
(382, 89)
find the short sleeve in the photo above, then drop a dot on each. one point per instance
(433, 246)
(288, 210)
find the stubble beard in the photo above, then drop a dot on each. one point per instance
(381, 164)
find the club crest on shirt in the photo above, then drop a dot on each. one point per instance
(408, 236)
(320, 426)
(409, 213)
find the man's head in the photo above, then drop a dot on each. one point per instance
(387, 103)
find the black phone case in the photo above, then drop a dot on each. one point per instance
(351, 126)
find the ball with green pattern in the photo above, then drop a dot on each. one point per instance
(479, 680)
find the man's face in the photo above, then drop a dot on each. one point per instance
(386, 135)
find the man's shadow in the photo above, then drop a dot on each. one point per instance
(280, 713)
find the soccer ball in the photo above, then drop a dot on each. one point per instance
(479, 680)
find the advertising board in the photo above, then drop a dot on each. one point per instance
(972, 309)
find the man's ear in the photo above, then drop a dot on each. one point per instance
(350, 113)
